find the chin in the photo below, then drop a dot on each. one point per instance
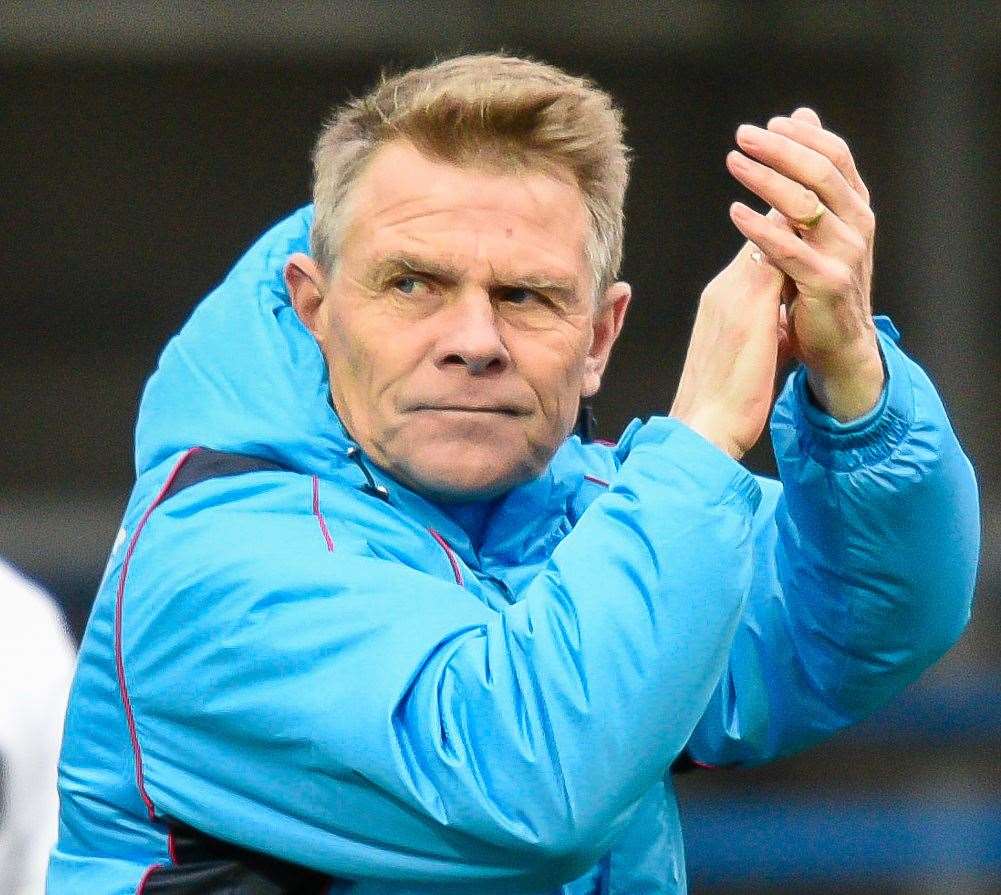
(455, 477)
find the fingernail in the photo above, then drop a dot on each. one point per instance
(749, 134)
(805, 113)
(736, 159)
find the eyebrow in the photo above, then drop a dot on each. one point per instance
(449, 274)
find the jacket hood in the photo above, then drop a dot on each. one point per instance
(244, 375)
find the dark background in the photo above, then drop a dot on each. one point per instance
(146, 145)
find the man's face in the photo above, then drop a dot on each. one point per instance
(459, 327)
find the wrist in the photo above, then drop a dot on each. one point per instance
(850, 389)
(714, 434)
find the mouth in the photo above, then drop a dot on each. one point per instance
(465, 408)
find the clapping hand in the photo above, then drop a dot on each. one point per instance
(822, 240)
(799, 287)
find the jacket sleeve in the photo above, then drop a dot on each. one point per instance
(865, 562)
(349, 713)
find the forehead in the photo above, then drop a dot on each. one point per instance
(404, 200)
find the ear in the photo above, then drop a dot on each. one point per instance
(303, 280)
(608, 320)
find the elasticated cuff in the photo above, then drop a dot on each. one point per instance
(871, 438)
(716, 470)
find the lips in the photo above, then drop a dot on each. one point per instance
(471, 408)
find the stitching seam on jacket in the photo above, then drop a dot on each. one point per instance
(456, 571)
(146, 877)
(319, 515)
(119, 659)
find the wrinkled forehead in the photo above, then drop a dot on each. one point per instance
(403, 194)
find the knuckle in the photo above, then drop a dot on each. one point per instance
(822, 172)
(842, 154)
(858, 242)
(867, 221)
(839, 278)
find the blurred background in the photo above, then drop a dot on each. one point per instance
(145, 146)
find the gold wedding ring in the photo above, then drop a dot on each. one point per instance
(812, 221)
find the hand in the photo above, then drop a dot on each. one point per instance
(801, 170)
(727, 384)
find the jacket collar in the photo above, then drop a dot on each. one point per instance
(521, 523)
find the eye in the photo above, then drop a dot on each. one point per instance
(408, 284)
(519, 296)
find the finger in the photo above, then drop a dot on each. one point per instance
(808, 167)
(749, 251)
(813, 271)
(785, 347)
(793, 200)
(826, 143)
(807, 116)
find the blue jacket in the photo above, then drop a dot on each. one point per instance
(290, 675)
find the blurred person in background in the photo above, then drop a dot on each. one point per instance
(382, 618)
(36, 666)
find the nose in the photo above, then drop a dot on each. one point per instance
(469, 336)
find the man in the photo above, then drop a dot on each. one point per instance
(377, 622)
(36, 665)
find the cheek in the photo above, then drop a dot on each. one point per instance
(350, 368)
(352, 351)
(556, 375)
(369, 360)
